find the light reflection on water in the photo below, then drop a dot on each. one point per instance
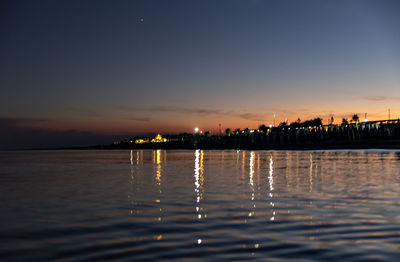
(199, 182)
(271, 186)
(205, 205)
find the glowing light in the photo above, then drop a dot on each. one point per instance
(141, 141)
(199, 241)
(196, 130)
(159, 139)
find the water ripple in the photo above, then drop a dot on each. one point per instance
(200, 205)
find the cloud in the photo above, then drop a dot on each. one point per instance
(380, 98)
(139, 119)
(23, 133)
(200, 111)
(292, 112)
(237, 113)
(375, 98)
(85, 112)
(174, 109)
(250, 116)
(192, 111)
(22, 121)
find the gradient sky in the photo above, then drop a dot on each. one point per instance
(79, 69)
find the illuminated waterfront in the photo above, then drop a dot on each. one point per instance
(200, 205)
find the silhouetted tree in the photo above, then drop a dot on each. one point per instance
(344, 122)
(228, 131)
(313, 122)
(263, 128)
(283, 124)
(246, 131)
(296, 124)
(355, 118)
(207, 133)
(317, 121)
(237, 131)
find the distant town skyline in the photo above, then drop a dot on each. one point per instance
(81, 72)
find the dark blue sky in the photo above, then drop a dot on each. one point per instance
(132, 67)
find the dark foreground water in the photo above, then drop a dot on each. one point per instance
(200, 205)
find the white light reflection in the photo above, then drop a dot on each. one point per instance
(251, 173)
(251, 181)
(198, 184)
(199, 179)
(271, 186)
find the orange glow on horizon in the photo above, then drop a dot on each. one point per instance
(171, 124)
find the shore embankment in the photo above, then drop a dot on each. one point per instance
(355, 136)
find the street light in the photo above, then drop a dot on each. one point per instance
(196, 130)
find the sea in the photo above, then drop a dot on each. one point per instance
(200, 205)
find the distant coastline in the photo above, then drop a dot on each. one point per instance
(369, 135)
(383, 134)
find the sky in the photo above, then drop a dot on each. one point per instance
(82, 72)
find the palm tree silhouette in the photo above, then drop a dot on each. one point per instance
(355, 118)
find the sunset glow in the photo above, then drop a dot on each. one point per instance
(148, 67)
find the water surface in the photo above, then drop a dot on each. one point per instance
(200, 205)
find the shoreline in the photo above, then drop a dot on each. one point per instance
(381, 145)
